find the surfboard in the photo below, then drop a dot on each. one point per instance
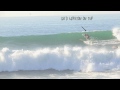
(88, 42)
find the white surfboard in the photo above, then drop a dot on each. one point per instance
(88, 42)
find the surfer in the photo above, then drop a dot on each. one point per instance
(87, 37)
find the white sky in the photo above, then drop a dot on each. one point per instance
(51, 13)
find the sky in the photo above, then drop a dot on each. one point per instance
(52, 13)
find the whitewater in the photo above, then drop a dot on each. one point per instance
(46, 47)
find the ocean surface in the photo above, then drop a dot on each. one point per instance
(46, 47)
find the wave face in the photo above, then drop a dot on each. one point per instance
(53, 39)
(63, 51)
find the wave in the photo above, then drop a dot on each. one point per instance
(67, 52)
(53, 39)
(60, 58)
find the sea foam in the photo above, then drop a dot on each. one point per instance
(60, 58)
(116, 33)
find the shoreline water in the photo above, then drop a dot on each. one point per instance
(54, 74)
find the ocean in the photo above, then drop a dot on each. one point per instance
(54, 47)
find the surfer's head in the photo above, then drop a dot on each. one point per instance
(86, 35)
